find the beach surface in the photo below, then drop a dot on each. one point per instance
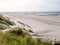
(47, 25)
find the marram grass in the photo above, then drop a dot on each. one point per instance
(5, 22)
(12, 37)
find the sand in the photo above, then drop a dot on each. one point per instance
(47, 25)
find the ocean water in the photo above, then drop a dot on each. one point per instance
(56, 14)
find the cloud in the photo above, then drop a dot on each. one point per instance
(29, 5)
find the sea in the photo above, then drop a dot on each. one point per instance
(55, 14)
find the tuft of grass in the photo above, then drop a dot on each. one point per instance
(3, 26)
(5, 22)
(30, 31)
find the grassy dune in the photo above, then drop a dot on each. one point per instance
(17, 35)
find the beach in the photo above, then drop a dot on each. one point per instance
(47, 25)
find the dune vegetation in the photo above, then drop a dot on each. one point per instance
(5, 22)
(17, 35)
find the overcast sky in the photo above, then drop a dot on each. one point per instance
(29, 5)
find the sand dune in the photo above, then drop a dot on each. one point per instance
(47, 25)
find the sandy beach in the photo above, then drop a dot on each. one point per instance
(46, 25)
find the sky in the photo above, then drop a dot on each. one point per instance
(29, 5)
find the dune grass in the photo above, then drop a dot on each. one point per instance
(5, 22)
(16, 36)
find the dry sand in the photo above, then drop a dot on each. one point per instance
(46, 25)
